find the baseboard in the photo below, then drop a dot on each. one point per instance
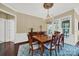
(20, 43)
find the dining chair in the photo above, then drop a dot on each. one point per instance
(60, 41)
(33, 45)
(51, 45)
(57, 38)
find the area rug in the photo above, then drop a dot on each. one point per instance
(67, 50)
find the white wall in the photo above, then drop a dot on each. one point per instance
(73, 39)
(1, 30)
(76, 30)
(21, 37)
(70, 40)
(77, 11)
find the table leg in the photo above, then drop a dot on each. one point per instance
(42, 49)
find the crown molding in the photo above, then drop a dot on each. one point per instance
(19, 11)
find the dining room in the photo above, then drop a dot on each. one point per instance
(39, 29)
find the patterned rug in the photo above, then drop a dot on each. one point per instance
(67, 50)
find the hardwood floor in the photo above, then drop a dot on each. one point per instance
(10, 48)
(7, 49)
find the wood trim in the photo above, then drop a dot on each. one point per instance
(20, 43)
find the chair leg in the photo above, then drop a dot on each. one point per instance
(61, 47)
(58, 48)
(55, 52)
(29, 51)
(63, 44)
(50, 53)
(32, 53)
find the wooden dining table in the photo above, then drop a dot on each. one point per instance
(42, 39)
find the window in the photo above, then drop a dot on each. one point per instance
(66, 28)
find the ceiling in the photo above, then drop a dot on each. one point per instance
(36, 9)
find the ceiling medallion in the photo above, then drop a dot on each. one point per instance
(48, 5)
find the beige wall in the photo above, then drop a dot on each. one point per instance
(75, 20)
(71, 12)
(25, 22)
(72, 39)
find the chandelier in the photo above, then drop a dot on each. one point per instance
(49, 18)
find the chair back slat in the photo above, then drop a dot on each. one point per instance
(56, 39)
(62, 38)
(53, 41)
